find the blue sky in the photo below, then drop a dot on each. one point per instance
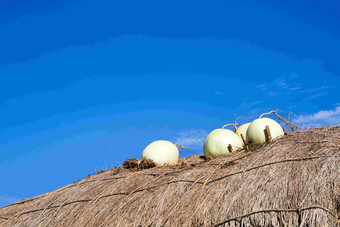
(86, 85)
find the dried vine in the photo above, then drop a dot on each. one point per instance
(290, 124)
(234, 124)
(182, 147)
(298, 210)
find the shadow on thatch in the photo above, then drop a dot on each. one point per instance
(292, 181)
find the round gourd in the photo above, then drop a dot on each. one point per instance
(242, 130)
(161, 152)
(217, 142)
(256, 132)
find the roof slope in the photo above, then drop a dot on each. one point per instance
(292, 181)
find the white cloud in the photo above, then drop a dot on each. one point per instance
(323, 117)
(7, 200)
(191, 138)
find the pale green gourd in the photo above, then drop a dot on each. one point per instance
(217, 142)
(243, 130)
(161, 152)
(256, 131)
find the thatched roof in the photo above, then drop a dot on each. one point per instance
(292, 181)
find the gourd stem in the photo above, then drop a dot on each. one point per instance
(244, 141)
(269, 135)
(230, 148)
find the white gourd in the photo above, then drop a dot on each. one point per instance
(243, 130)
(256, 130)
(217, 142)
(161, 152)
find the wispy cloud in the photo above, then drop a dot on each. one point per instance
(271, 93)
(262, 87)
(315, 90)
(220, 93)
(314, 96)
(323, 117)
(291, 85)
(192, 138)
(7, 200)
(251, 104)
(288, 84)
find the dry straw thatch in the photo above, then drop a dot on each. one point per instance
(292, 181)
